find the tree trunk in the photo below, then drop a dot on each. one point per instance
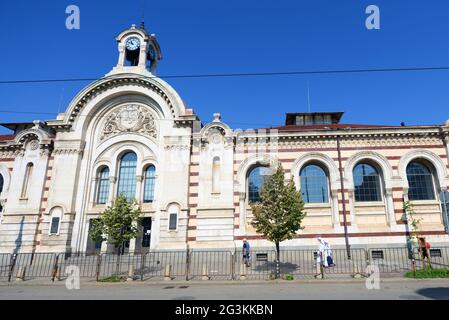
(117, 267)
(277, 250)
(278, 271)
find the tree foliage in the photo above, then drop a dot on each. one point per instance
(118, 223)
(279, 214)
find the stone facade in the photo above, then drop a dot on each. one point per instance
(51, 170)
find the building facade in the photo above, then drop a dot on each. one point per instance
(131, 133)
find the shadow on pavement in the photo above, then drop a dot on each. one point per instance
(435, 293)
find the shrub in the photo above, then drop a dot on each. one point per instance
(428, 272)
(113, 278)
(288, 277)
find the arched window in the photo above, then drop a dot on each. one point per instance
(173, 213)
(55, 222)
(256, 181)
(103, 186)
(366, 183)
(150, 177)
(216, 175)
(127, 176)
(26, 180)
(420, 182)
(314, 184)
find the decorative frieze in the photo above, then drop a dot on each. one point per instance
(69, 147)
(130, 118)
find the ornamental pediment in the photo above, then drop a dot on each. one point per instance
(131, 118)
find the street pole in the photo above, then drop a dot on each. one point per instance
(445, 210)
(343, 198)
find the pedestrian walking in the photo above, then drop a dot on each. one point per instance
(325, 254)
(246, 253)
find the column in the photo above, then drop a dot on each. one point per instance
(335, 208)
(391, 217)
(121, 59)
(351, 199)
(139, 188)
(445, 203)
(112, 183)
(242, 198)
(93, 190)
(143, 55)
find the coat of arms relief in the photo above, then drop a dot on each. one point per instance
(130, 118)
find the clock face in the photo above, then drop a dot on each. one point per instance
(132, 44)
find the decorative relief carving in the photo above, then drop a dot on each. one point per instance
(34, 145)
(69, 147)
(130, 118)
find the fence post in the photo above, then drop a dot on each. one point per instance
(142, 266)
(205, 275)
(187, 264)
(320, 267)
(414, 267)
(97, 271)
(355, 267)
(13, 264)
(58, 273)
(233, 265)
(243, 271)
(278, 269)
(130, 272)
(167, 275)
(55, 269)
(21, 273)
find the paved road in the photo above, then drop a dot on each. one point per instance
(392, 289)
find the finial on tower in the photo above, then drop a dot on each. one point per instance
(217, 117)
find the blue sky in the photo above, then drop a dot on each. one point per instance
(235, 36)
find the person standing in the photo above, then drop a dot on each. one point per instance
(423, 248)
(246, 253)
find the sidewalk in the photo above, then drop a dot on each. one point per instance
(92, 282)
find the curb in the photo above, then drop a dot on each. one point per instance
(218, 282)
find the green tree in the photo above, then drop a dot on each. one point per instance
(415, 226)
(118, 223)
(279, 214)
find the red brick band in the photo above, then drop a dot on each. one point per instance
(351, 235)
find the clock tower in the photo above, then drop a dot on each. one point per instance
(139, 52)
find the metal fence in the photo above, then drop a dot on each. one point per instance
(215, 264)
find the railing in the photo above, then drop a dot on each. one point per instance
(164, 264)
(215, 264)
(262, 265)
